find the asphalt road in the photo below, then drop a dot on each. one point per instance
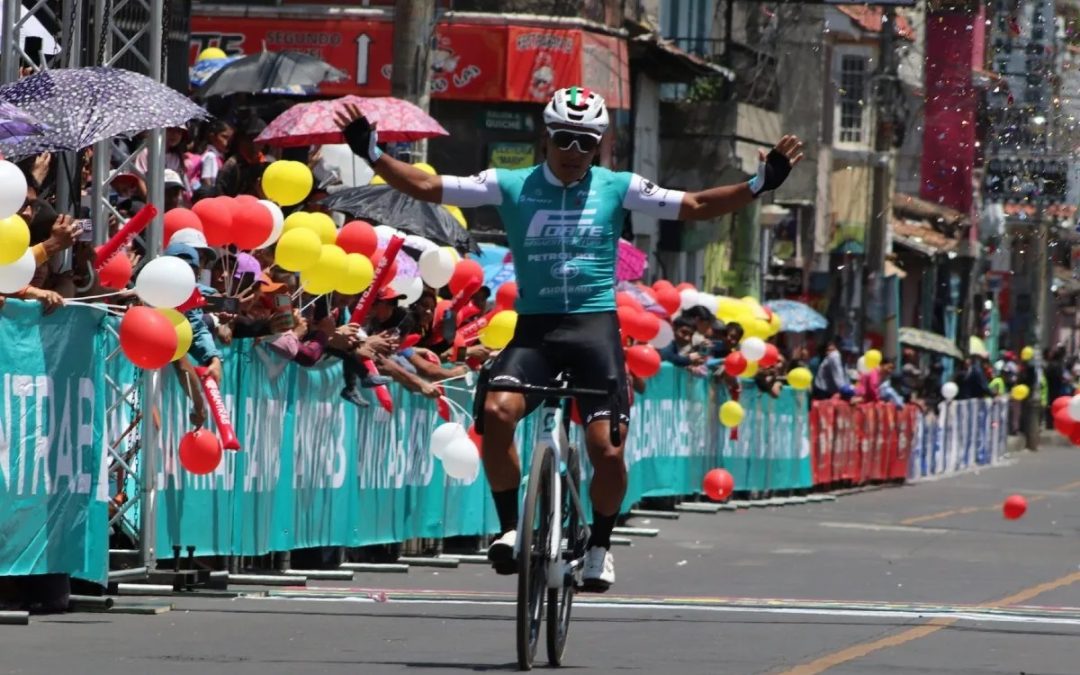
(926, 578)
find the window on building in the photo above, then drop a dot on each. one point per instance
(852, 98)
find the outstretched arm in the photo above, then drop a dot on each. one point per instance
(772, 171)
(362, 138)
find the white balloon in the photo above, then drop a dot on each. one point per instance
(461, 459)
(860, 366)
(166, 281)
(385, 231)
(664, 337)
(412, 289)
(279, 223)
(12, 189)
(753, 348)
(436, 267)
(419, 243)
(709, 301)
(949, 390)
(443, 436)
(688, 298)
(1074, 408)
(17, 275)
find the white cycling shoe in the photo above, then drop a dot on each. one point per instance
(501, 553)
(599, 572)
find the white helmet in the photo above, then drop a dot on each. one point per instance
(579, 107)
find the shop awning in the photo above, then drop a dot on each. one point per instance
(921, 238)
(914, 208)
(667, 63)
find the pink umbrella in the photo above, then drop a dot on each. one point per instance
(631, 262)
(313, 123)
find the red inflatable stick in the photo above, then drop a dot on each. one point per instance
(443, 406)
(381, 392)
(217, 407)
(471, 333)
(411, 340)
(131, 228)
(367, 299)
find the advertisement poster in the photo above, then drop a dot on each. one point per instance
(512, 155)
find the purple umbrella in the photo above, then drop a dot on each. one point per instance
(16, 124)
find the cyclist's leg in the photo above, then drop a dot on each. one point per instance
(596, 357)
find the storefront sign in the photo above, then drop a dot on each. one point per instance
(506, 120)
(512, 155)
(541, 60)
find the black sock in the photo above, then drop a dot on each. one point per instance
(506, 505)
(601, 530)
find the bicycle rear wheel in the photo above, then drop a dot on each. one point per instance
(561, 600)
(533, 548)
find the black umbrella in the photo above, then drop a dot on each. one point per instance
(384, 205)
(269, 72)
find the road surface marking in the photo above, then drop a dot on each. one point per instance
(881, 528)
(1037, 496)
(858, 651)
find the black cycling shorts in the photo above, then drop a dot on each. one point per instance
(586, 346)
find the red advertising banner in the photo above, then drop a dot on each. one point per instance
(541, 60)
(467, 64)
(857, 444)
(606, 68)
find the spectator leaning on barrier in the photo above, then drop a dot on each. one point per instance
(886, 391)
(204, 350)
(831, 379)
(680, 351)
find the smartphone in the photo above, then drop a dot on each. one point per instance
(283, 307)
(222, 303)
(85, 231)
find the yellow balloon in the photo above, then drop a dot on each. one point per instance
(776, 324)
(359, 273)
(426, 168)
(325, 275)
(872, 359)
(211, 53)
(183, 331)
(457, 214)
(1020, 392)
(751, 369)
(731, 414)
(297, 250)
(298, 219)
(377, 180)
(453, 253)
(1027, 353)
(286, 182)
(800, 378)
(500, 330)
(323, 225)
(14, 239)
(754, 327)
(728, 309)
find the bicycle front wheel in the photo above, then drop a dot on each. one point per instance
(533, 547)
(561, 600)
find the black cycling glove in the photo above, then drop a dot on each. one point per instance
(771, 173)
(363, 139)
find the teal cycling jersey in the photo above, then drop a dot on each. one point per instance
(563, 238)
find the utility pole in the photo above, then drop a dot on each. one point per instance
(414, 29)
(885, 90)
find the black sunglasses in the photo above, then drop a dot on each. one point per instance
(564, 140)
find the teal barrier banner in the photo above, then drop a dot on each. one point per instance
(53, 476)
(772, 451)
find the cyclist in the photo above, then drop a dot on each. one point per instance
(563, 219)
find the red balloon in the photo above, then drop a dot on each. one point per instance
(506, 296)
(147, 337)
(1063, 424)
(252, 223)
(735, 364)
(216, 215)
(627, 317)
(1014, 506)
(178, 219)
(624, 299)
(575, 413)
(646, 326)
(718, 485)
(1074, 434)
(358, 236)
(465, 271)
(662, 283)
(1059, 403)
(376, 257)
(772, 355)
(669, 299)
(116, 273)
(684, 286)
(644, 360)
(200, 451)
